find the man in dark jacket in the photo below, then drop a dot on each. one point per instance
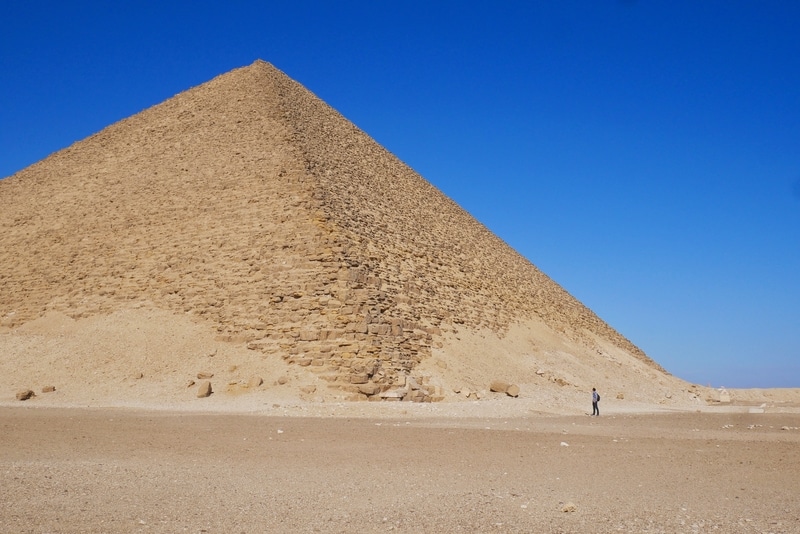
(595, 400)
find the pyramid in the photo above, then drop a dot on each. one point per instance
(250, 205)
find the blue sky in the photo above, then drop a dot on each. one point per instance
(644, 154)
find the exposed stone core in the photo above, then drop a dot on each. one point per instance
(251, 204)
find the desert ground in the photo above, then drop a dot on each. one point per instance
(396, 467)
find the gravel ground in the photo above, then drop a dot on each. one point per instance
(116, 470)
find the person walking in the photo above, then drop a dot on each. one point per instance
(595, 400)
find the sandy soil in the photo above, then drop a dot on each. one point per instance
(117, 470)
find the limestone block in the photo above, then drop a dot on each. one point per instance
(369, 388)
(309, 335)
(379, 329)
(360, 327)
(513, 390)
(359, 378)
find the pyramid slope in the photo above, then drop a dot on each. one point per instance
(251, 205)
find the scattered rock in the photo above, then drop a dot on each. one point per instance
(255, 381)
(784, 428)
(513, 390)
(540, 372)
(204, 390)
(564, 444)
(569, 507)
(283, 380)
(25, 394)
(48, 389)
(190, 383)
(204, 375)
(498, 386)
(308, 389)
(138, 376)
(369, 389)
(620, 396)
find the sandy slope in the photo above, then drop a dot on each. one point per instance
(147, 358)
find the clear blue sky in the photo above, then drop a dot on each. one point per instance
(644, 154)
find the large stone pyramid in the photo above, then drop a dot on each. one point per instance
(251, 205)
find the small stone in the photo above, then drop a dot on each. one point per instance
(513, 390)
(138, 376)
(204, 389)
(784, 428)
(48, 389)
(569, 507)
(498, 386)
(25, 394)
(255, 381)
(283, 380)
(204, 375)
(564, 444)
